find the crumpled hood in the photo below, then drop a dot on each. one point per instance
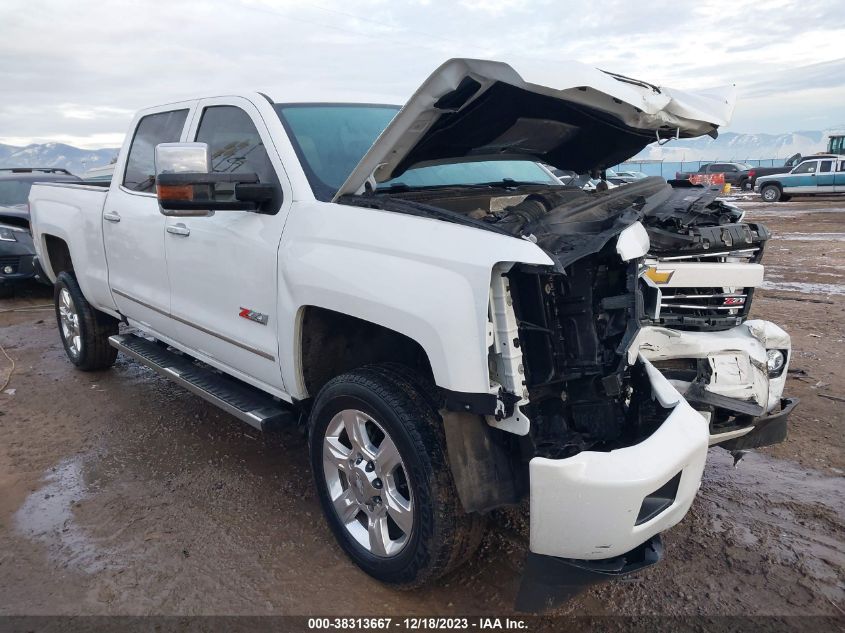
(473, 110)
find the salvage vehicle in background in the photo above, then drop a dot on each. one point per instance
(836, 144)
(755, 172)
(17, 254)
(100, 174)
(631, 176)
(736, 174)
(815, 175)
(459, 331)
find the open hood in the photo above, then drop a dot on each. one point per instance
(474, 110)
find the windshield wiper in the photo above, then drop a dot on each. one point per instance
(507, 183)
(510, 182)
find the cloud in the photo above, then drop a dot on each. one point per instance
(79, 70)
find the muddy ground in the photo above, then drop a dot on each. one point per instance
(123, 494)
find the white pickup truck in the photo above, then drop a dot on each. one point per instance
(458, 330)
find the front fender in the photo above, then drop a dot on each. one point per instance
(424, 278)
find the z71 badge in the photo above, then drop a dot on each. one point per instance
(252, 315)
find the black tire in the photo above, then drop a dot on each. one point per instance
(94, 326)
(469, 539)
(745, 184)
(442, 536)
(770, 193)
(7, 291)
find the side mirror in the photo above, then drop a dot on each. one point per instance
(186, 186)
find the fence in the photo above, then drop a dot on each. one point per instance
(667, 169)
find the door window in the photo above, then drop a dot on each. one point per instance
(234, 143)
(162, 127)
(826, 166)
(806, 168)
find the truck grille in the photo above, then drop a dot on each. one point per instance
(747, 255)
(699, 308)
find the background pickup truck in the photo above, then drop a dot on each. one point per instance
(739, 175)
(815, 175)
(736, 174)
(457, 329)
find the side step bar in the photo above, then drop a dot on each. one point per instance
(244, 402)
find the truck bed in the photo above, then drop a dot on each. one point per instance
(74, 213)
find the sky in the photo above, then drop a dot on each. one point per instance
(75, 72)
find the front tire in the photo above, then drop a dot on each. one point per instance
(379, 461)
(770, 193)
(84, 331)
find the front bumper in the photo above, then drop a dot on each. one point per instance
(767, 429)
(548, 581)
(601, 505)
(18, 257)
(732, 369)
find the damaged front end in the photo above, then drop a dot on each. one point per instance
(613, 418)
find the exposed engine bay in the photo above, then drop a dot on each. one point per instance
(576, 320)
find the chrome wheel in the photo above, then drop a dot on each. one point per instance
(367, 483)
(69, 320)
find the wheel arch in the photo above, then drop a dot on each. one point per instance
(58, 258)
(330, 343)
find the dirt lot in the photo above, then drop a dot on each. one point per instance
(122, 494)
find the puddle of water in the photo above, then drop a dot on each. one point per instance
(806, 288)
(47, 517)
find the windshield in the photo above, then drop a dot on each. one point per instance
(14, 192)
(476, 173)
(331, 139)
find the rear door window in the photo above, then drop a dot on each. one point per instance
(826, 166)
(162, 127)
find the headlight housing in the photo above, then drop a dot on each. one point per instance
(775, 361)
(7, 235)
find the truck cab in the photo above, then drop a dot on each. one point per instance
(456, 329)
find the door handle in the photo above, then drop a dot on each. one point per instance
(112, 216)
(179, 229)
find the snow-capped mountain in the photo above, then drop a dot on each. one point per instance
(731, 146)
(73, 159)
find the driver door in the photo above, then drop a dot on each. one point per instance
(802, 179)
(223, 268)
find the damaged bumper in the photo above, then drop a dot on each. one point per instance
(597, 516)
(548, 581)
(601, 505)
(724, 375)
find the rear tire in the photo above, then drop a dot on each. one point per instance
(770, 193)
(389, 414)
(84, 331)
